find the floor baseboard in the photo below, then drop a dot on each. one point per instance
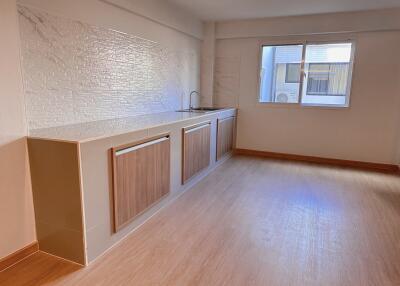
(387, 168)
(19, 255)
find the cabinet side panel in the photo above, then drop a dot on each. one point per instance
(57, 198)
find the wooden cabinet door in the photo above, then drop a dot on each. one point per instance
(225, 136)
(141, 177)
(196, 150)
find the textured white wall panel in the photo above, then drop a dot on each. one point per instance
(74, 72)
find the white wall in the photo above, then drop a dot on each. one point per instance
(16, 208)
(77, 68)
(365, 21)
(367, 131)
(102, 14)
(207, 65)
(165, 13)
(398, 120)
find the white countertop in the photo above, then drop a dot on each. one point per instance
(89, 131)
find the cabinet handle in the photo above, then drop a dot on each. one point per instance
(134, 148)
(197, 128)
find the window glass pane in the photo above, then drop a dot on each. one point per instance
(327, 68)
(293, 73)
(318, 78)
(280, 73)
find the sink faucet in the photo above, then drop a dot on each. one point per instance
(190, 98)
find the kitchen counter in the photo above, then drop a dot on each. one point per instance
(90, 131)
(72, 169)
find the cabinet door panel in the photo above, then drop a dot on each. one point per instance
(225, 136)
(196, 150)
(141, 176)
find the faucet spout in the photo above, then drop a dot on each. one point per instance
(190, 98)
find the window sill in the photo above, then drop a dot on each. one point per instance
(300, 106)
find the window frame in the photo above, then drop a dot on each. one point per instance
(305, 43)
(259, 66)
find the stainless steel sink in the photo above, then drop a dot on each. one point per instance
(191, 110)
(200, 109)
(207, 108)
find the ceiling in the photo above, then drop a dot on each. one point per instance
(246, 9)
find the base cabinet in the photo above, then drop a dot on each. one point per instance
(225, 136)
(141, 176)
(196, 150)
(90, 192)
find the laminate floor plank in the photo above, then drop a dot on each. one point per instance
(253, 221)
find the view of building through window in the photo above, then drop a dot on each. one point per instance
(326, 78)
(280, 73)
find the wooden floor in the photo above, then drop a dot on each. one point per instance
(253, 222)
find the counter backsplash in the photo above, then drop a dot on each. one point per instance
(74, 72)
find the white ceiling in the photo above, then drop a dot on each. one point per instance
(247, 9)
